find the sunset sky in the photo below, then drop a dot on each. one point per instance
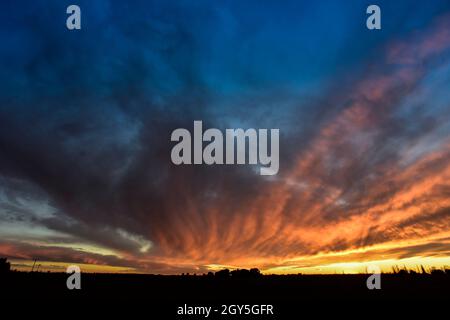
(86, 117)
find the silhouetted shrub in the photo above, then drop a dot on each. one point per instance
(435, 272)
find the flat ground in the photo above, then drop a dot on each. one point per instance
(286, 293)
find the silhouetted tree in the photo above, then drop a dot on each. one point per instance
(240, 273)
(225, 273)
(254, 272)
(5, 266)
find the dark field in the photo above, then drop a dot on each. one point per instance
(161, 296)
(210, 289)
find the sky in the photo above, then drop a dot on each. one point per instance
(86, 117)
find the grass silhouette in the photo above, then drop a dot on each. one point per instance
(231, 286)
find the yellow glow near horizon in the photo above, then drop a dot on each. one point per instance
(361, 267)
(386, 266)
(45, 266)
(385, 256)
